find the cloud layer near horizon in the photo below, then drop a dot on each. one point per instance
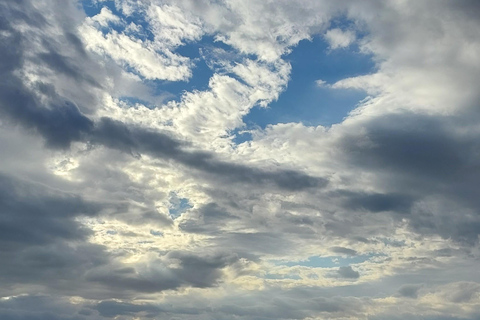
(121, 200)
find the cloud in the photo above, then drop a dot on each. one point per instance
(348, 272)
(112, 309)
(41, 236)
(345, 251)
(338, 38)
(117, 135)
(409, 290)
(137, 54)
(105, 17)
(374, 217)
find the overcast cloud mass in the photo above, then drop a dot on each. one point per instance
(239, 159)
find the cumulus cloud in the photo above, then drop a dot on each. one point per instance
(338, 38)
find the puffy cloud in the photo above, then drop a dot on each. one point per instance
(338, 38)
(137, 54)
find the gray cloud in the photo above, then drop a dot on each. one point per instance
(38, 307)
(61, 122)
(31, 214)
(401, 185)
(424, 156)
(40, 237)
(111, 309)
(342, 250)
(348, 272)
(378, 202)
(135, 140)
(192, 270)
(409, 290)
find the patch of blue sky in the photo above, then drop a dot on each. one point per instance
(342, 22)
(327, 262)
(134, 100)
(240, 136)
(201, 72)
(92, 8)
(156, 233)
(305, 101)
(178, 206)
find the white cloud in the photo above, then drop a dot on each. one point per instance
(152, 59)
(171, 27)
(338, 38)
(137, 54)
(105, 17)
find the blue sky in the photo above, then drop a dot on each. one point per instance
(239, 160)
(302, 101)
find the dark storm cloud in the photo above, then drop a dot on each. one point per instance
(62, 64)
(378, 202)
(59, 126)
(127, 281)
(38, 307)
(192, 270)
(40, 240)
(288, 180)
(60, 122)
(135, 140)
(417, 158)
(342, 250)
(57, 267)
(201, 271)
(421, 146)
(430, 151)
(33, 214)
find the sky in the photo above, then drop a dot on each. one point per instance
(239, 159)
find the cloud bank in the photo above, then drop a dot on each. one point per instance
(129, 191)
